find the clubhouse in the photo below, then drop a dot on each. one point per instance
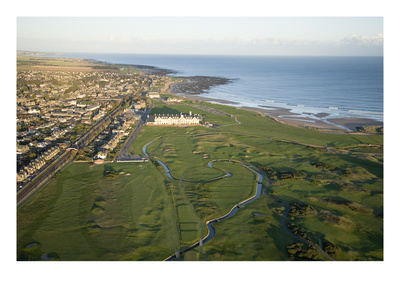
(175, 119)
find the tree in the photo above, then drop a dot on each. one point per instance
(32, 155)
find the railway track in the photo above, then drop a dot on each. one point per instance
(43, 177)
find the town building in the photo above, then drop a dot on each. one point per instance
(101, 155)
(153, 95)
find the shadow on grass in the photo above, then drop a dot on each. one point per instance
(164, 110)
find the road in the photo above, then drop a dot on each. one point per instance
(124, 152)
(98, 127)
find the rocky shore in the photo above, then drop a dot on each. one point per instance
(190, 85)
(195, 85)
(150, 70)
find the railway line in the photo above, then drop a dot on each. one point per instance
(44, 176)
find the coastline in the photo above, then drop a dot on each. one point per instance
(316, 121)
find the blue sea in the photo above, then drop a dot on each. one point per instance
(337, 86)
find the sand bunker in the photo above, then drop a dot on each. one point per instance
(30, 245)
(100, 202)
(49, 256)
(258, 214)
(96, 209)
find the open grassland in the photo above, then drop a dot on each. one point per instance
(37, 63)
(332, 183)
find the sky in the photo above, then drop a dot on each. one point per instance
(226, 35)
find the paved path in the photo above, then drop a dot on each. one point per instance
(124, 152)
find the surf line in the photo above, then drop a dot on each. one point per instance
(231, 213)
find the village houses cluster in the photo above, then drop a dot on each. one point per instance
(108, 140)
(37, 163)
(55, 108)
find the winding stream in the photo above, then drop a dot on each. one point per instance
(232, 212)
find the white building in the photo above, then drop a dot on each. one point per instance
(175, 120)
(93, 107)
(154, 95)
(101, 155)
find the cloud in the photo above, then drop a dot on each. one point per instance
(119, 39)
(119, 43)
(371, 40)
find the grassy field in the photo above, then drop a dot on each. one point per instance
(332, 182)
(37, 63)
(83, 215)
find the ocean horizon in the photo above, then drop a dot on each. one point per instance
(332, 86)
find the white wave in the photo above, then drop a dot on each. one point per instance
(366, 112)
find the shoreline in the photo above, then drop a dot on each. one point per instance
(316, 121)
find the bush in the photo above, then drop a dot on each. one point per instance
(297, 252)
(274, 175)
(323, 166)
(296, 230)
(110, 174)
(301, 209)
(330, 248)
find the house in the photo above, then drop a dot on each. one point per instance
(21, 149)
(22, 175)
(33, 111)
(139, 105)
(100, 155)
(153, 95)
(49, 154)
(93, 107)
(70, 102)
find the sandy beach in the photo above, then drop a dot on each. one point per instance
(352, 123)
